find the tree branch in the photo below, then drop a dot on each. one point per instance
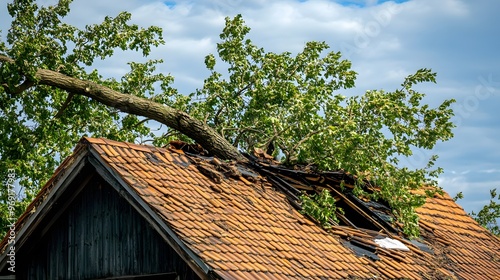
(176, 119)
(305, 138)
(7, 59)
(64, 106)
(141, 122)
(240, 134)
(20, 88)
(223, 106)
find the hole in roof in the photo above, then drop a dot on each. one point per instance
(361, 249)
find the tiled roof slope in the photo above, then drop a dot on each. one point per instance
(458, 240)
(245, 229)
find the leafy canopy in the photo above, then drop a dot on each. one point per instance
(488, 217)
(291, 102)
(40, 125)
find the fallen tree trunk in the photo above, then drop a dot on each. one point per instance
(200, 132)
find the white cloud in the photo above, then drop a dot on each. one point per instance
(490, 171)
(455, 7)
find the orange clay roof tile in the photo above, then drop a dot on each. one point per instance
(106, 150)
(168, 156)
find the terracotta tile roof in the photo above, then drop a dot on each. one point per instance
(243, 228)
(458, 240)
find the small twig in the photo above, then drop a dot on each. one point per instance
(64, 106)
(224, 106)
(168, 134)
(271, 139)
(18, 89)
(146, 141)
(216, 117)
(141, 122)
(239, 92)
(283, 149)
(305, 138)
(241, 132)
(276, 135)
(206, 118)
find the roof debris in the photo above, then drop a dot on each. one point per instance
(390, 243)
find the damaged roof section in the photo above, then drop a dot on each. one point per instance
(266, 216)
(355, 212)
(373, 219)
(243, 220)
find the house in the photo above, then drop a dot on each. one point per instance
(116, 210)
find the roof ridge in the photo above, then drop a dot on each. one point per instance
(122, 144)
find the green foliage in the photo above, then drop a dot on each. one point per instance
(269, 96)
(321, 207)
(489, 215)
(40, 125)
(458, 196)
(290, 100)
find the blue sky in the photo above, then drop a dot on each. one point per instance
(385, 40)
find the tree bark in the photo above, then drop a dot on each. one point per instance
(204, 135)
